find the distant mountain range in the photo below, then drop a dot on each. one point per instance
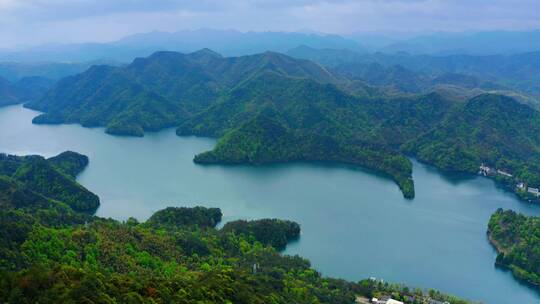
(15, 71)
(235, 43)
(478, 43)
(227, 42)
(516, 75)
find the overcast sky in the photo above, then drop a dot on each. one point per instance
(31, 22)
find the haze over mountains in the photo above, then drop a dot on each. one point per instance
(374, 59)
(15, 71)
(413, 73)
(235, 43)
(468, 43)
(227, 42)
(24, 90)
(328, 99)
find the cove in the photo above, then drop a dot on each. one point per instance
(354, 224)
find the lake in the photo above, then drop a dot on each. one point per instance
(355, 224)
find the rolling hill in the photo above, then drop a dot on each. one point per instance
(490, 129)
(47, 181)
(160, 91)
(514, 75)
(228, 42)
(270, 107)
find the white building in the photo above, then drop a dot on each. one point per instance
(534, 191)
(485, 170)
(501, 172)
(385, 301)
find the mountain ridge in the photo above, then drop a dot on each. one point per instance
(270, 107)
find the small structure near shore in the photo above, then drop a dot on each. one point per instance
(488, 171)
(504, 173)
(385, 300)
(534, 191)
(485, 170)
(361, 300)
(520, 186)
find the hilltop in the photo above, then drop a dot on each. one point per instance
(46, 181)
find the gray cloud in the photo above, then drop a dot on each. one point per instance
(24, 22)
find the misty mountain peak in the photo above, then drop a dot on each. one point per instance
(206, 52)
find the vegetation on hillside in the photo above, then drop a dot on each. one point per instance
(269, 108)
(517, 240)
(106, 261)
(52, 179)
(263, 140)
(514, 75)
(272, 118)
(69, 162)
(185, 217)
(269, 232)
(490, 129)
(50, 253)
(159, 91)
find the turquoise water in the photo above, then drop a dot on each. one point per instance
(354, 224)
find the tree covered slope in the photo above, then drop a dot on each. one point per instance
(490, 129)
(105, 261)
(273, 118)
(159, 91)
(517, 240)
(515, 75)
(51, 253)
(50, 179)
(273, 108)
(69, 162)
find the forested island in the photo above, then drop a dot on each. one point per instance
(517, 240)
(269, 107)
(52, 252)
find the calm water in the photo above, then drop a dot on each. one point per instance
(354, 224)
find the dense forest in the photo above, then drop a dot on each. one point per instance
(517, 240)
(52, 253)
(269, 107)
(50, 179)
(490, 129)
